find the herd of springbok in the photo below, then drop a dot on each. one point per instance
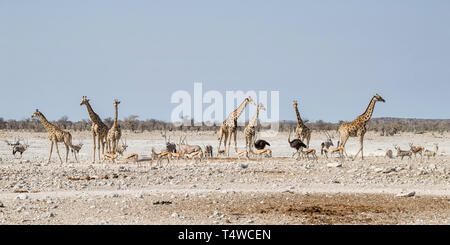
(109, 138)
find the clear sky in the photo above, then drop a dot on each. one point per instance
(332, 56)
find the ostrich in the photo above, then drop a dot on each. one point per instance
(296, 144)
(261, 144)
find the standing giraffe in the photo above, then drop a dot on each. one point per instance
(302, 131)
(250, 131)
(229, 126)
(114, 132)
(357, 127)
(55, 135)
(99, 129)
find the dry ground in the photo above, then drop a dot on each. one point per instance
(278, 190)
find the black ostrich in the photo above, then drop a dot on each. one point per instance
(296, 144)
(261, 144)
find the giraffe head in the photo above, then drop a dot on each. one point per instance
(116, 102)
(84, 100)
(250, 100)
(261, 107)
(379, 98)
(37, 113)
(295, 103)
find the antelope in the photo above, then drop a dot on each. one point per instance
(429, 153)
(187, 149)
(18, 147)
(76, 149)
(220, 152)
(389, 154)
(160, 156)
(133, 156)
(242, 153)
(338, 149)
(208, 151)
(416, 149)
(177, 155)
(308, 152)
(195, 154)
(110, 156)
(402, 154)
(267, 152)
(122, 148)
(326, 144)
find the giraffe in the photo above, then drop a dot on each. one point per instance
(55, 135)
(99, 129)
(114, 132)
(357, 127)
(229, 126)
(302, 131)
(250, 131)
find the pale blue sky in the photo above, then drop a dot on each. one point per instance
(332, 56)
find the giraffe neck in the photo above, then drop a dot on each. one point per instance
(47, 125)
(236, 113)
(369, 111)
(115, 116)
(254, 118)
(94, 117)
(299, 119)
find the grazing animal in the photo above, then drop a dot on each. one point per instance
(338, 149)
(55, 135)
(110, 156)
(250, 129)
(195, 154)
(114, 133)
(326, 144)
(429, 153)
(159, 156)
(357, 127)
(402, 154)
(220, 152)
(389, 154)
(267, 152)
(99, 129)
(76, 149)
(296, 144)
(242, 153)
(176, 155)
(184, 148)
(229, 126)
(122, 148)
(301, 131)
(416, 149)
(170, 147)
(133, 156)
(208, 151)
(20, 148)
(261, 144)
(309, 152)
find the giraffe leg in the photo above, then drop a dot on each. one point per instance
(361, 142)
(220, 138)
(93, 156)
(344, 139)
(51, 149)
(235, 142)
(67, 152)
(57, 151)
(229, 143)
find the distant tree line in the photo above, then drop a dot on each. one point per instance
(384, 126)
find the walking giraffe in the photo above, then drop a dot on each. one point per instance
(99, 129)
(114, 132)
(229, 126)
(250, 130)
(357, 127)
(55, 135)
(302, 131)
